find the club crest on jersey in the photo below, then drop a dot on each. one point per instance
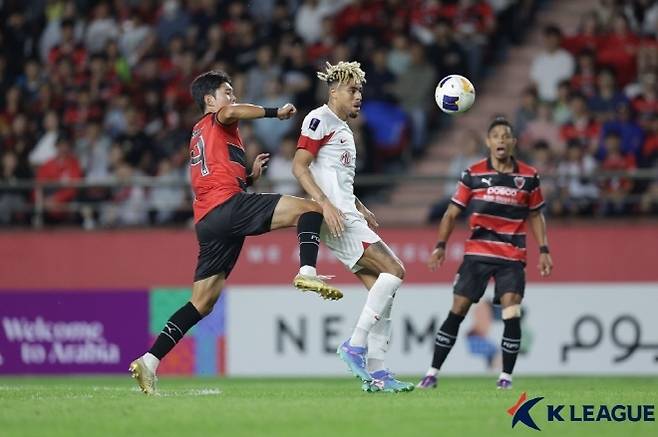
(519, 181)
(346, 158)
(313, 125)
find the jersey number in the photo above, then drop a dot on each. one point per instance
(200, 158)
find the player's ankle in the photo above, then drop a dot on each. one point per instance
(505, 376)
(432, 371)
(375, 365)
(308, 271)
(151, 361)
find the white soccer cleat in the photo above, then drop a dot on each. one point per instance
(145, 378)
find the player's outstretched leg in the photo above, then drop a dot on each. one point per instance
(445, 339)
(307, 216)
(205, 293)
(511, 342)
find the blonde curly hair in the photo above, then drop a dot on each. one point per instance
(342, 72)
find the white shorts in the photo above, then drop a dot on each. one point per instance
(350, 246)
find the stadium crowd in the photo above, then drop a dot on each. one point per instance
(594, 106)
(99, 90)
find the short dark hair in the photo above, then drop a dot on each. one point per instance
(500, 121)
(207, 83)
(552, 30)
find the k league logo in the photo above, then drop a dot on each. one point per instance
(560, 413)
(520, 411)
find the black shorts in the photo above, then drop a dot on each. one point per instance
(474, 274)
(222, 231)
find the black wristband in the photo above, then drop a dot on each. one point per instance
(544, 249)
(250, 180)
(271, 112)
(440, 245)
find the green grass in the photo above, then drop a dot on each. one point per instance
(112, 406)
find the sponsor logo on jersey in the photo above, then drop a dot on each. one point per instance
(502, 191)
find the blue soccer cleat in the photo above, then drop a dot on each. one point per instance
(355, 358)
(429, 381)
(384, 380)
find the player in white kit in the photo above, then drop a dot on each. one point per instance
(324, 164)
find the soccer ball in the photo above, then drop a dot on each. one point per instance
(454, 94)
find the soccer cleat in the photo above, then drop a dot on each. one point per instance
(504, 384)
(355, 358)
(318, 285)
(429, 381)
(145, 378)
(384, 380)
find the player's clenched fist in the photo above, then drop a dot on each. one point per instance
(286, 111)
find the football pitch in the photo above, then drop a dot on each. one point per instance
(112, 406)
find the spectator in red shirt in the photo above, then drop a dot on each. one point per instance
(649, 156)
(619, 48)
(645, 104)
(68, 47)
(581, 126)
(588, 35)
(64, 167)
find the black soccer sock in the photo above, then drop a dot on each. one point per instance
(308, 233)
(511, 343)
(175, 328)
(445, 338)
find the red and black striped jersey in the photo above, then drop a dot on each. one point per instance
(218, 166)
(500, 204)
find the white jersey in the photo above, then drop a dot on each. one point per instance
(331, 141)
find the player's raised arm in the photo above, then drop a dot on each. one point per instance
(333, 217)
(245, 111)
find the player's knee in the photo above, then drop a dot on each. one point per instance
(312, 206)
(206, 304)
(461, 307)
(205, 301)
(393, 267)
(511, 312)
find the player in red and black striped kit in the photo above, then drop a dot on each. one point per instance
(224, 214)
(504, 194)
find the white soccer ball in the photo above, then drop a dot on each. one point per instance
(454, 94)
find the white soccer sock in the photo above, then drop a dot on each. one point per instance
(381, 291)
(505, 376)
(308, 271)
(151, 361)
(432, 371)
(379, 339)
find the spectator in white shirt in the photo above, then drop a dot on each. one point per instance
(45, 148)
(552, 65)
